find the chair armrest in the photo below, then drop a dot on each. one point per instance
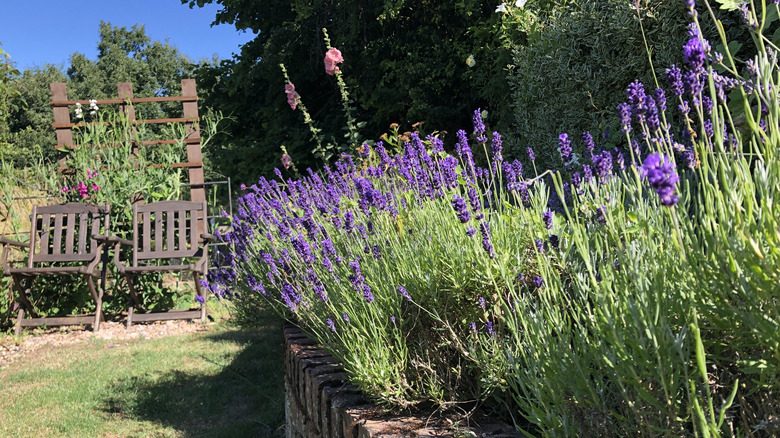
(208, 237)
(111, 239)
(7, 241)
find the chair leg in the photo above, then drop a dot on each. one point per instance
(199, 291)
(97, 297)
(133, 300)
(19, 319)
(23, 292)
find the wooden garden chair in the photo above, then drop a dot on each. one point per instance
(64, 240)
(166, 238)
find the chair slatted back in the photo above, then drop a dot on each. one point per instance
(63, 232)
(166, 229)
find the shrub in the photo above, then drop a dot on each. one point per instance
(573, 76)
(644, 303)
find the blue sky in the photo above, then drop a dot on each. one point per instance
(37, 32)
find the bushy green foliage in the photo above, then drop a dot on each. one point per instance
(405, 61)
(643, 305)
(573, 77)
(124, 55)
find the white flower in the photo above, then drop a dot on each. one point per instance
(93, 106)
(79, 113)
(470, 61)
(501, 7)
(520, 3)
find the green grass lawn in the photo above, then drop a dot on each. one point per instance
(222, 382)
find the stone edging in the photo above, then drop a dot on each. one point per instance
(319, 403)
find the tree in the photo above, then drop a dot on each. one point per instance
(405, 62)
(124, 55)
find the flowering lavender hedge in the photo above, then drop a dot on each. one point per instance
(635, 292)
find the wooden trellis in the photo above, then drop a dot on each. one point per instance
(64, 127)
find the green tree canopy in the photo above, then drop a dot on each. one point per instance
(124, 55)
(405, 62)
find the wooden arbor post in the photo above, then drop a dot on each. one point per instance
(59, 95)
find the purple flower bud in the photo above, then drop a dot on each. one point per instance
(693, 53)
(547, 218)
(459, 205)
(564, 146)
(404, 293)
(659, 171)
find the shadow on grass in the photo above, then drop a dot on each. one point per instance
(246, 398)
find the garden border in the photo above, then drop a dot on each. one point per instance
(320, 403)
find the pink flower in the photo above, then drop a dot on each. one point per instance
(286, 161)
(332, 57)
(292, 95)
(65, 190)
(82, 189)
(95, 187)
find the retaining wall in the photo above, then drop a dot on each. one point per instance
(319, 403)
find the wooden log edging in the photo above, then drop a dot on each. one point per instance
(320, 403)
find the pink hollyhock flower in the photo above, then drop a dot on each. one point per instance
(286, 161)
(292, 95)
(333, 57)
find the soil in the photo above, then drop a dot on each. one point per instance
(12, 348)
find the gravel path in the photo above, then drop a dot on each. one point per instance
(12, 348)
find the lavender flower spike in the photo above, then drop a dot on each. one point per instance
(659, 172)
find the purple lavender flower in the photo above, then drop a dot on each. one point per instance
(674, 80)
(200, 299)
(496, 148)
(689, 158)
(473, 327)
(659, 172)
(624, 112)
(564, 146)
(601, 214)
(481, 302)
(576, 180)
(479, 127)
(331, 324)
(345, 317)
(747, 18)
(303, 249)
(404, 293)
(349, 222)
(474, 201)
(693, 54)
(587, 173)
(531, 155)
(603, 164)
(538, 281)
(693, 84)
(367, 295)
(547, 218)
(459, 205)
(539, 245)
(470, 231)
(590, 145)
(554, 241)
(489, 328)
(660, 99)
(484, 229)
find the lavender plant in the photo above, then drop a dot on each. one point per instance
(634, 294)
